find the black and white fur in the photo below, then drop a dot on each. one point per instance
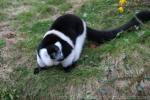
(64, 41)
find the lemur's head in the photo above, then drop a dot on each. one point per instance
(55, 51)
(51, 55)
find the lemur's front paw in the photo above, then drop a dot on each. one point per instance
(36, 70)
(67, 69)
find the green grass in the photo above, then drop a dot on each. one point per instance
(55, 83)
(2, 43)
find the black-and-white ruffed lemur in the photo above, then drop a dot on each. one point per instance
(64, 41)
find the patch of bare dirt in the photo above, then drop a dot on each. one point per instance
(76, 5)
(10, 56)
(111, 88)
(5, 54)
(122, 80)
(6, 58)
(14, 11)
(92, 89)
(7, 34)
(8, 53)
(57, 13)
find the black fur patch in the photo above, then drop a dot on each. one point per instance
(70, 25)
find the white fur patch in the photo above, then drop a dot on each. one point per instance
(45, 59)
(40, 62)
(60, 35)
(58, 44)
(69, 60)
(76, 52)
(80, 42)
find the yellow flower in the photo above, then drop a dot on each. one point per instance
(123, 2)
(121, 9)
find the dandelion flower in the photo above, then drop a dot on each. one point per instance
(121, 9)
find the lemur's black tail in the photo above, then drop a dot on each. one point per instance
(105, 35)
